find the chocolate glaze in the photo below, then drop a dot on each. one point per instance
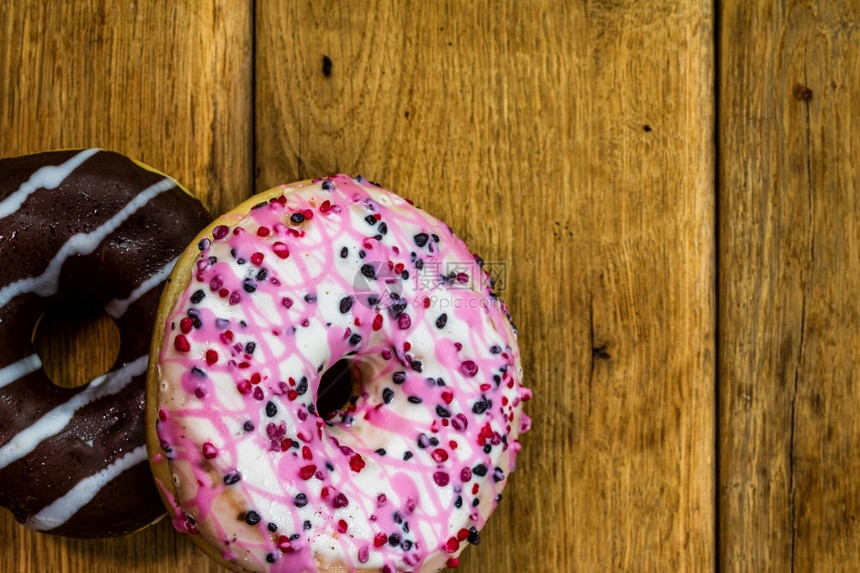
(107, 428)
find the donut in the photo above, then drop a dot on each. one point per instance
(82, 223)
(259, 312)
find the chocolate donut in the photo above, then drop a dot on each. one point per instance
(95, 224)
(274, 295)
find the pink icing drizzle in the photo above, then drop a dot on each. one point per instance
(265, 315)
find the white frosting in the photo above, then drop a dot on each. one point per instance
(48, 177)
(18, 370)
(54, 421)
(59, 512)
(117, 307)
(80, 244)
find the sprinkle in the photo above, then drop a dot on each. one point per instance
(307, 472)
(452, 563)
(407, 456)
(249, 286)
(252, 518)
(307, 524)
(297, 218)
(281, 250)
(394, 540)
(380, 452)
(415, 399)
(263, 232)
(232, 477)
(439, 455)
(474, 538)
(380, 539)
(421, 239)
(399, 377)
(345, 304)
(248, 427)
(355, 339)
(310, 297)
(452, 545)
(469, 368)
(341, 526)
(441, 479)
(272, 527)
(209, 451)
(377, 322)
(498, 475)
(344, 252)
(442, 320)
(481, 406)
(301, 500)
(404, 321)
(415, 365)
(465, 474)
(368, 271)
(181, 343)
(287, 302)
(363, 554)
(220, 232)
(480, 470)
(271, 409)
(356, 463)
(387, 395)
(340, 500)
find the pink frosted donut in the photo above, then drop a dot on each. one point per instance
(274, 296)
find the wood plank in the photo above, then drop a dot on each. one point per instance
(571, 143)
(788, 289)
(164, 82)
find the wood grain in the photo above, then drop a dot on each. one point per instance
(573, 145)
(167, 83)
(789, 265)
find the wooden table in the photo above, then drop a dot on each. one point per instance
(672, 189)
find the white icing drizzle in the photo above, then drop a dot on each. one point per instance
(48, 177)
(54, 421)
(18, 370)
(117, 307)
(59, 512)
(80, 244)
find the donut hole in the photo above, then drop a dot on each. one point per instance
(77, 341)
(338, 385)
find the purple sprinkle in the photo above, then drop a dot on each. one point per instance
(235, 297)
(441, 479)
(340, 500)
(460, 422)
(404, 321)
(220, 231)
(469, 368)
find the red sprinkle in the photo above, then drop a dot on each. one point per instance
(220, 232)
(287, 302)
(364, 552)
(281, 250)
(439, 455)
(441, 479)
(463, 534)
(307, 472)
(181, 344)
(209, 451)
(211, 356)
(257, 258)
(426, 302)
(286, 444)
(244, 387)
(356, 463)
(263, 232)
(452, 545)
(447, 396)
(377, 322)
(306, 453)
(380, 539)
(341, 526)
(185, 325)
(326, 205)
(452, 563)
(292, 395)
